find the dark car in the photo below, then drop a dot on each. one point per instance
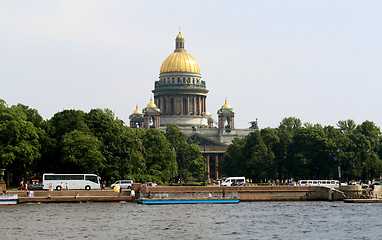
(37, 186)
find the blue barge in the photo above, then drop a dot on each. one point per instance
(156, 201)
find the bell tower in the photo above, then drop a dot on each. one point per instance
(226, 116)
(151, 115)
(136, 119)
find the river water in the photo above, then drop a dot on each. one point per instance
(246, 220)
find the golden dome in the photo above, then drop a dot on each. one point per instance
(180, 60)
(226, 105)
(136, 111)
(151, 104)
(180, 36)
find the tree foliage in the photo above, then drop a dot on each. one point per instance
(19, 141)
(73, 141)
(296, 150)
(189, 159)
(97, 142)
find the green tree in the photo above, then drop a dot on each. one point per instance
(160, 160)
(312, 155)
(271, 139)
(64, 122)
(368, 154)
(257, 159)
(231, 164)
(190, 161)
(19, 142)
(31, 114)
(81, 153)
(283, 152)
(347, 126)
(121, 147)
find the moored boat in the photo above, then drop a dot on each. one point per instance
(155, 201)
(364, 200)
(8, 199)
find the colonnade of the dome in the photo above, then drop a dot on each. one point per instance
(181, 104)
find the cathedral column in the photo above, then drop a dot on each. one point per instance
(216, 167)
(194, 110)
(177, 104)
(205, 104)
(161, 106)
(200, 105)
(188, 105)
(168, 110)
(208, 166)
(202, 111)
(173, 106)
(181, 105)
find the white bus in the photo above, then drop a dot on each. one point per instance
(71, 181)
(329, 183)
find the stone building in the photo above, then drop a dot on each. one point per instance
(180, 97)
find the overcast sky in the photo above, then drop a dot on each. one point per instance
(319, 61)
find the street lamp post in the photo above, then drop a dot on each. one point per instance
(205, 163)
(339, 165)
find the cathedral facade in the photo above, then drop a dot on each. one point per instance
(180, 98)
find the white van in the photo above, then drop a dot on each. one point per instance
(234, 181)
(122, 184)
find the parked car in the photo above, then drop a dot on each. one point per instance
(123, 184)
(22, 187)
(36, 186)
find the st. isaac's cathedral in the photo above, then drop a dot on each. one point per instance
(180, 97)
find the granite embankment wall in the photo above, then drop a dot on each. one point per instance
(245, 193)
(72, 196)
(378, 190)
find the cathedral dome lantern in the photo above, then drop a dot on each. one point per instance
(180, 60)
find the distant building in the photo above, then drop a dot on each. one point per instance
(180, 97)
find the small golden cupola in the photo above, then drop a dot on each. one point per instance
(226, 105)
(136, 111)
(151, 104)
